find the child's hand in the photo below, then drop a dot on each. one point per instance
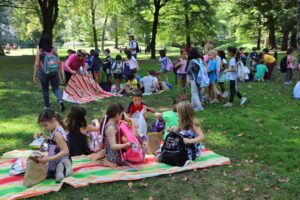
(186, 141)
(38, 135)
(43, 159)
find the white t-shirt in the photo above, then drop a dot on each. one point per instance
(118, 67)
(232, 75)
(132, 63)
(133, 45)
(224, 61)
(149, 83)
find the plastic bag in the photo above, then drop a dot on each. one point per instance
(140, 122)
(195, 96)
(297, 90)
(18, 167)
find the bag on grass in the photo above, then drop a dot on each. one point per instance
(174, 151)
(158, 125)
(153, 142)
(18, 167)
(35, 171)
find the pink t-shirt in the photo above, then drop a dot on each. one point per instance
(182, 64)
(74, 63)
(206, 58)
(290, 62)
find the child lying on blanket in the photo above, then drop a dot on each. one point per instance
(58, 162)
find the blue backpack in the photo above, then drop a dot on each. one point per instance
(202, 78)
(51, 62)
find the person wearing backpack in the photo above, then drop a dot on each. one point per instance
(191, 133)
(232, 74)
(47, 68)
(166, 64)
(133, 46)
(290, 66)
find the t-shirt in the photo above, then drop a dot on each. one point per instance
(232, 64)
(74, 63)
(269, 59)
(148, 82)
(132, 63)
(131, 109)
(290, 62)
(163, 62)
(171, 119)
(212, 67)
(133, 45)
(206, 58)
(118, 67)
(182, 66)
(133, 83)
(261, 69)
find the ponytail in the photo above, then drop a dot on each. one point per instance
(48, 114)
(103, 123)
(237, 56)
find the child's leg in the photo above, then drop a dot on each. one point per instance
(180, 86)
(97, 156)
(124, 140)
(232, 91)
(222, 86)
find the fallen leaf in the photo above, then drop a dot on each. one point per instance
(86, 198)
(276, 188)
(246, 189)
(224, 173)
(185, 179)
(143, 184)
(283, 180)
(195, 170)
(251, 161)
(239, 165)
(241, 134)
(266, 196)
(233, 191)
(151, 198)
(94, 108)
(130, 185)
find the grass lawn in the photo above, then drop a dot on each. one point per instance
(262, 139)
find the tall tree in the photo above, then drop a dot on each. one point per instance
(93, 7)
(298, 30)
(103, 33)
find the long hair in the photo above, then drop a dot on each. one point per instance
(76, 119)
(186, 115)
(128, 54)
(48, 114)
(234, 52)
(46, 43)
(193, 54)
(222, 54)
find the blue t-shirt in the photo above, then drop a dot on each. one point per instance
(212, 67)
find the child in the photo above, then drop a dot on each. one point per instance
(118, 69)
(222, 75)
(96, 64)
(107, 65)
(131, 61)
(78, 129)
(290, 66)
(136, 105)
(149, 83)
(109, 125)
(261, 70)
(189, 128)
(58, 160)
(253, 59)
(246, 73)
(212, 73)
(232, 74)
(170, 118)
(180, 67)
(130, 85)
(165, 64)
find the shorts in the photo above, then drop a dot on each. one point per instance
(118, 76)
(182, 76)
(95, 69)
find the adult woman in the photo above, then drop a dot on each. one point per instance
(45, 48)
(270, 62)
(73, 63)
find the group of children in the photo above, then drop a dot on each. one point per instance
(70, 137)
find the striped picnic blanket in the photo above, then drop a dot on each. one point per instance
(84, 89)
(87, 172)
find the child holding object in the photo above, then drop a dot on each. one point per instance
(58, 161)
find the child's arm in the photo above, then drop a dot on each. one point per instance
(38, 135)
(64, 150)
(199, 138)
(132, 123)
(149, 109)
(158, 115)
(36, 65)
(89, 128)
(111, 134)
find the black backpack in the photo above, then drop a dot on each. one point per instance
(283, 65)
(138, 50)
(174, 151)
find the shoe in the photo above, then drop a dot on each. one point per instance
(199, 108)
(62, 106)
(214, 101)
(243, 101)
(68, 167)
(286, 83)
(227, 105)
(59, 174)
(225, 94)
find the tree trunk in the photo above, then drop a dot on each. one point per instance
(49, 10)
(103, 33)
(293, 41)
(298, 30)
(116, 32)
(187, 25)
(93, 13)
(154, 32)
(285, 39)
(2, 51)
(271, 27)
(259, 33)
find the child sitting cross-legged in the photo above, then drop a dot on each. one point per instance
(58, 161)
(150, 83)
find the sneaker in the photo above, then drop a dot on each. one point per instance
(227, 105)
(243, 101)
(68, 166)
(199, 108)
(59, 174)
(62, 106)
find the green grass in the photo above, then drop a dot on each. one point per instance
(261, 139)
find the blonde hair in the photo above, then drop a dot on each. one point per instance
(186, 115)
(208, 47)
(213, 53)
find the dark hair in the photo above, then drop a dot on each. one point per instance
(266, 50)
(118, 57)
(234, 52)
(48, 114)
(46, 43)
(175, 102)
(151, 72)
(246, 54)
(193, 54)
(137, 93)
(128, 53)
(130, 76)
(222, 54)
(76, 119)
(254, 49)
(71, 51)
(162, 53)
(92, 52)
(107, 51)
(111, 112)
(289, 51)
(184, 50)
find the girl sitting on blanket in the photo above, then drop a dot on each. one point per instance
(189, 127)
(78, 129)
(58, 161)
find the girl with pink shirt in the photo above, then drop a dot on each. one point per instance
(73, 63)
(290, 66)
(180, 67)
